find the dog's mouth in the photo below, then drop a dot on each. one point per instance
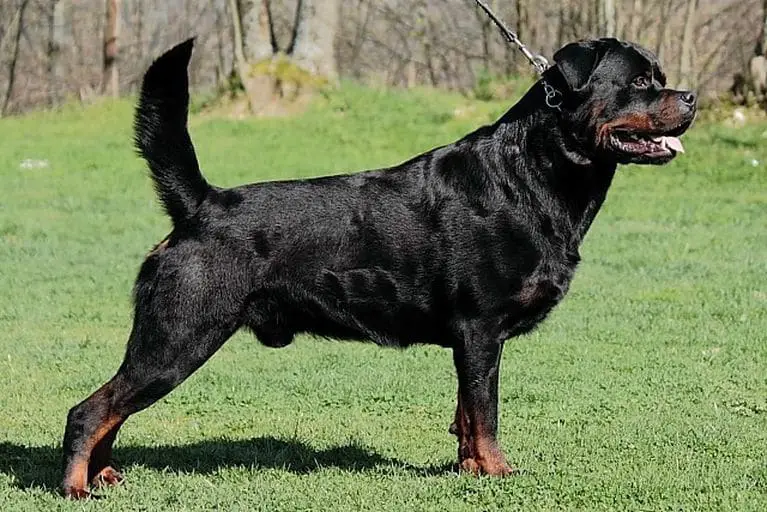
(648, 147)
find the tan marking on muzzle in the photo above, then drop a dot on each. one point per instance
(639, 122)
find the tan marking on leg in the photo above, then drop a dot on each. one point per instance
(465, 445)
(488, 455)
(76, 480)
(101, 468)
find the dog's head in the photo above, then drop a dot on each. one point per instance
(617, 98)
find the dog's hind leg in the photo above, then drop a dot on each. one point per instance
(477, 361)
(89, 425)
(176, 329)
(102, 470)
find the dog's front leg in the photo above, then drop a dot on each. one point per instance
(462, 430)
(477, 362)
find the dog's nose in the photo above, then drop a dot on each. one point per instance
(688, 98)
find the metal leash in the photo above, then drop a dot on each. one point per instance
(539, 62)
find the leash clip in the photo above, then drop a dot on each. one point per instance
(541, 63)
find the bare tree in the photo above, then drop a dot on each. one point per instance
(761, 44)
(753, 83)
(52, 50)
(239, 43)
(686, 56)
(663, 27)
(111, 81)
(256, 25)
(17, 27)
(253, 42)
(636, 20)
(315, 33)
(261, 64)
(607, 21)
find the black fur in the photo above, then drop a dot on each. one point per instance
(161, 136)
(463, 246)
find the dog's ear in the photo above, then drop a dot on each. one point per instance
(577, 62)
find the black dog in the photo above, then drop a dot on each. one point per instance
(463, 246)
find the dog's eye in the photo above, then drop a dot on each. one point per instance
(642, 81)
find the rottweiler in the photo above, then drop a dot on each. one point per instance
(464, 246)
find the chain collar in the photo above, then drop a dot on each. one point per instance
(553, 96)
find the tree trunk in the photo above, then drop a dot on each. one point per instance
(259, 88)
(428, 48)
(686, 73)
(256, 27)
(636, 21)
(140, 27)
(522, 26)
(562, 22)
(237, 43)
(595, 18)
(18, 22)
(221, 68)
(137, 45)
(484, 25)
(315, 34)
(52, 53)
(607, 17)
(660, 46)
(111, 81)
(761, 44)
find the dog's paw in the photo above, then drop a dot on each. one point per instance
(75, 493)
(479, 467)
(107, 477)
(498, 469)
(469, 465)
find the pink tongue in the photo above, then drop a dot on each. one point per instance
(673, 143)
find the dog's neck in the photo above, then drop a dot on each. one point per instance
(541, 152)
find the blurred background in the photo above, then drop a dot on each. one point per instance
(53, 51)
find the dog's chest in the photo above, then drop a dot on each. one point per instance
(538, 294)
(548, 285)
(524, 270)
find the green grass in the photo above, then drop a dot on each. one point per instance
(645, 390)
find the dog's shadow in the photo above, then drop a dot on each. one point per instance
(40, 466)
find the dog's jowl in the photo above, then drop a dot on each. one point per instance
(464, 246)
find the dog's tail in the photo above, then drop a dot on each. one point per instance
(161, 137)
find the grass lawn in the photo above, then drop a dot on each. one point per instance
(645, 390)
